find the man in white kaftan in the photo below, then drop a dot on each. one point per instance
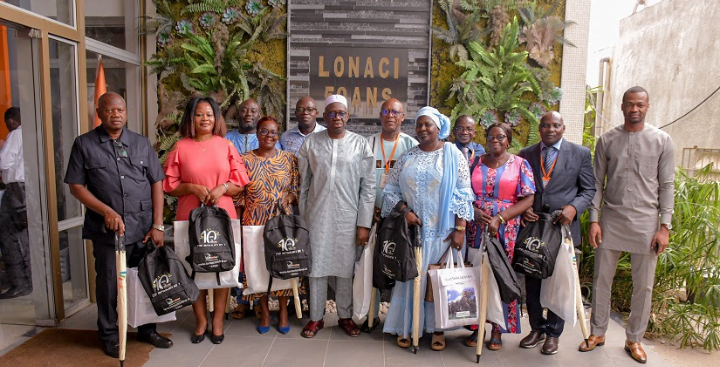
(337, 196)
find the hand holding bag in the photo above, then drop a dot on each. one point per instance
(455, 293)
(442, 263)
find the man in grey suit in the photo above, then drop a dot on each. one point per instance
(564, 181)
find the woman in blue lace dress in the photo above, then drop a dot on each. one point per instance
(434, 180)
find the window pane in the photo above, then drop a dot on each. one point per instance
(120, 77)
(65, 121)
(72, 266)
(61, 10)
(114, 22)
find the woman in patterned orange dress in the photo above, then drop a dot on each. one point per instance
(273, 176)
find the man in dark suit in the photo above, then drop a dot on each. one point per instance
(564, 181)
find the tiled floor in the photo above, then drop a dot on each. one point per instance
(243, 346)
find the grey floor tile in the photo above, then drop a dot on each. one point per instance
(297, 325)
(457, 354)
(239, 352)
(248, 327)
(182, 354)
(339, 334)
(297, 353)
(354, 354)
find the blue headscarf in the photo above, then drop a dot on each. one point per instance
(451, 162)
(442, 121)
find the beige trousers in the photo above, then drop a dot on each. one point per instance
(643, 277)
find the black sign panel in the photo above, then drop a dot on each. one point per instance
(365, 76)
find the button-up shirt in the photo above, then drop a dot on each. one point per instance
(634, 176)
(119, 173)
(292, 140)
(11, 158)
(245, 142)
(474, 150)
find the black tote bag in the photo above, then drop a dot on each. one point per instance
(165, 281)
(537, 247)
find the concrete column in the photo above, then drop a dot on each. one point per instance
(574, 65)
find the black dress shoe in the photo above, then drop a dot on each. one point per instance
(112, 348)
(551, 346)
(195, 339)
(156, 340)
(365, 328)
(532, 340)
(217, 339)
(15, 292)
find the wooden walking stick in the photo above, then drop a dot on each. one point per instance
(296, 297)
(485, 274)
(371, 311)
(416, 291)
(121, 269)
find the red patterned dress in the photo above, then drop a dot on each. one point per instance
(497, 189)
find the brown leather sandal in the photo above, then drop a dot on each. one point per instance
(239, 312)
(349, 326)
(312, 328)
(438, 342)
(403, 342)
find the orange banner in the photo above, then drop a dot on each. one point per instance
(5, 88)
(100, 88)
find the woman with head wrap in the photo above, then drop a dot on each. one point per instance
(434, 180)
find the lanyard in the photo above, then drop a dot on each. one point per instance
(472, 156)
(546, 175)
(382, 147)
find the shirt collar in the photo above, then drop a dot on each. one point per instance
(104, 136)
(556, 145)
(318, 128)
(470, 145)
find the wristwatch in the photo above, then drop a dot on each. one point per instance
(459, 228)
(159, 227)
(667, 225)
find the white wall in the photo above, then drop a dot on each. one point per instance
(672, 50)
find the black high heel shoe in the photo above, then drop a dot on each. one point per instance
(217, 339)
(195, 339)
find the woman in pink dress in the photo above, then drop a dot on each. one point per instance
(504, 187)
(204, 167)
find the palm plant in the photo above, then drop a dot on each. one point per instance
(496, 80)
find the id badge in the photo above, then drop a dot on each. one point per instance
(383, 179)
(545, 182)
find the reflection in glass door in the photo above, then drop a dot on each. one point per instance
(23, 242)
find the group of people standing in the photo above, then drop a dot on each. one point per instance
(342, 183)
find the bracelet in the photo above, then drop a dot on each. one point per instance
(502, 220)
(227, 187)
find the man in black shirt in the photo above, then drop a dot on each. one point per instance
(116, 174)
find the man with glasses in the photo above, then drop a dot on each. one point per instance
(564, 181)
(244, 137)
(116, 174)
(464, 133)
(306, 114)
(388, 145)
(337, 195)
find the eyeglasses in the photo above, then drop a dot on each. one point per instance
(340, 114)
(266, 132)
(302, 110)
(498, 137)
(395, 113)
(464, 129)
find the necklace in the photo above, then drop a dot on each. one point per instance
(200, 144)
(497, 161)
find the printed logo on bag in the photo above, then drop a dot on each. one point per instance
(172, 302)
(287, 244)
(209, 236)
(162, 282)
(210, 257)
(389, 248)
(388, 273)
(534, 244)
(292, 265)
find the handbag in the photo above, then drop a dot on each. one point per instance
(394, 256)
(363, 279)
(537, 247)
(165, 281)
(502, 270)
(228, 279)
(140, 310)
(211, 241)
(441, 264)
(557, 291)
(257, 275)
(456, 291)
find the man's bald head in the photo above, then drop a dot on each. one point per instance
(392, 115)
(552, 128)
(112, 111)
(249, 114)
